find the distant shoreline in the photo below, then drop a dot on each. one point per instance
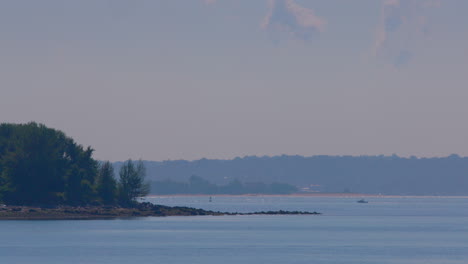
(344, 195)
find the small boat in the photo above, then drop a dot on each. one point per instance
(362, 201)
(210, 199)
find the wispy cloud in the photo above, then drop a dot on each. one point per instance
(401, 22)
(290, 17)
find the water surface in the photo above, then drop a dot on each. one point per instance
(386, 230)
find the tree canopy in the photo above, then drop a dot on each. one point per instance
(42, 166)
(106, 183)
(132, 182)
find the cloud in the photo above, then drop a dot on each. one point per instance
(288, 16)
(402, 22)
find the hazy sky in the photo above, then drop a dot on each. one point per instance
(171, 79)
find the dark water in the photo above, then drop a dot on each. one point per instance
(386, 230)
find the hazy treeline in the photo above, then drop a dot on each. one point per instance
(42, 166)
(198, 185)
(366, 174)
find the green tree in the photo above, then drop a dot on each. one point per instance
(106, 183)
(80, 177)
(132, 182)
(40, 165)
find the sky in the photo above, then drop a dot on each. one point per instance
(167, 80)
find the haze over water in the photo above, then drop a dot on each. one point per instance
(218, 79)
(386, 230)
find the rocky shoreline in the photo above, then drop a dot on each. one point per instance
(113, 212)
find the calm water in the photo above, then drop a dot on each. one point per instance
(386, 230)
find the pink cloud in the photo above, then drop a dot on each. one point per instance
(401, 21)
(288, 16)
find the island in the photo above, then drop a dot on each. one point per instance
(45, 174)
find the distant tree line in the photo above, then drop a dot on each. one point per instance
(198, 185)
(381, 174)
(42, 166)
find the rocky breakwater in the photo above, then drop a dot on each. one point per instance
(110, 212)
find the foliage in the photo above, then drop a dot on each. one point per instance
(106, 183)
(132, 182)
(199, 185)
(391, 175)
(42, 166)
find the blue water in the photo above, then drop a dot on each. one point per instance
(386, 230)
